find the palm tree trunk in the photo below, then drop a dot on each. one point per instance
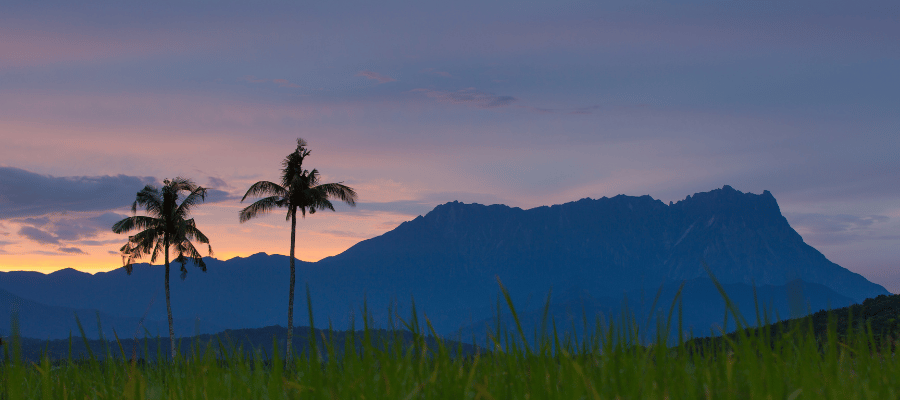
(290, 332)
(169, 305)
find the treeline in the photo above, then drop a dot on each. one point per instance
(257, 342)
(876, 319)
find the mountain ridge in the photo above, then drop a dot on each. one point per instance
(448, 260)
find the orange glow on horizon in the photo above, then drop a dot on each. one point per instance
(105, 263)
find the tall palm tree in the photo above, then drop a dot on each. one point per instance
(299, 190)
(166, 227)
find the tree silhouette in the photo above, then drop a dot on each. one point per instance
(299, 190)
(166, 227)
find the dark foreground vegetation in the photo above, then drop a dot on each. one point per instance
(848, 353)
(249, 342)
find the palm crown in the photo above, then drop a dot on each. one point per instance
(299, 190)
(166, 225)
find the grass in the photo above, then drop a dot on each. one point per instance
(791, 362)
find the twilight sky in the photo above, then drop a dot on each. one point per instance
(414, 104)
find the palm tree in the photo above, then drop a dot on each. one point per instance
(299, 190)
(167, 226)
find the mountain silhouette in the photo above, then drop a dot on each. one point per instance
(40, 321)
(700, 306)
(449, 261)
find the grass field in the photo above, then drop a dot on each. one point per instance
(791, 362)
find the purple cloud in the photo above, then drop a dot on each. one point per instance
(63, 228)
(252, 79)
(217, 182)
(376, 76)
(281, 82)
(821, 223)
(38, 235)
(840, 228)
(469, 96)
(436, 72)
(27, 194)
(285, 83)
(71, 250)
(570, 111)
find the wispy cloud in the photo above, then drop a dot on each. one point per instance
(27, 194)
(35, 222)
(4, 243)
(822, 223)
(285, 83)
(66, 228)
(436, 72)
(219, 196)
(840, 228)
(375, 76)
(217, 183)
(35, 196)
(102, 242)
(38, 235)
(280, 82)
(469, 96)
(570, 111)
(253, 79)
(71, 250)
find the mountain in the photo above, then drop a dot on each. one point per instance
(38, 320)
(701, 309)
(233, 294)
(449, 261)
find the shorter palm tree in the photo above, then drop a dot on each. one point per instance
(167, 227)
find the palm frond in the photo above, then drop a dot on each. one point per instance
(135, 222)
(149, 199)
(158, 250)
(324, 204)
(178, 184)
(192, 233)
(137, 246)
(312, 178)
(187, 252)
(144, 240)
(261, 206)
(339, 191)
(263, 188)
(128, 256)
(197, 195)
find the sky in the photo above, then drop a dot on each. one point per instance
(417, 103)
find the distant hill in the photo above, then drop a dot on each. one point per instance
(701, 307)
(42, 321)
(880, 314)
(448, 261)
(250, 341)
